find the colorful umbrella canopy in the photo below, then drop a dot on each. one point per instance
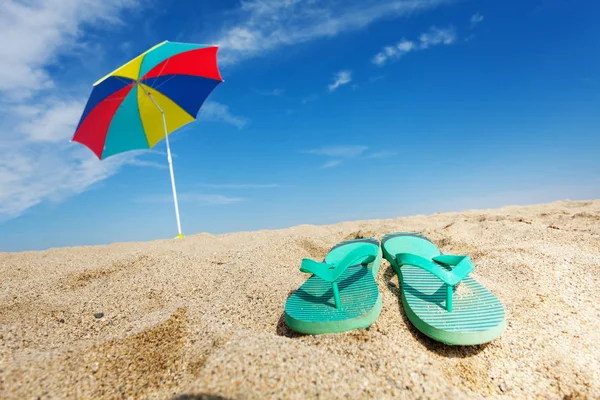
(123, 111)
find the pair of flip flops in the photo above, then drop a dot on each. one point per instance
(438, 295)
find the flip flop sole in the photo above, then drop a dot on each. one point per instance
(311, 309)
(477, 316)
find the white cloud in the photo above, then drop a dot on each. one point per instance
(338, 151)
(205, 199)
(274, 92)
(39, 31)
(376, 78)
(50, 121)
(152, 164)
(433, 37)
(396, 51)
(437, 36)
(265, 25)
(405, 45)
(331, 163)
(312, 97)
(382, 154)
(241, 185)
(476, 18)
(341, 153)
(380, 58)
(209, 198)
(340, 78)
(213, 111)
(44, 173)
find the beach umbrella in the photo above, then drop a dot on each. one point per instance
(143, 101)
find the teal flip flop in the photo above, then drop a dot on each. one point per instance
(439, 297)
(341, 294)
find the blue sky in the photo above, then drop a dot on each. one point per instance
(330, 111)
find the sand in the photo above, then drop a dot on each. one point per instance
(201, 317)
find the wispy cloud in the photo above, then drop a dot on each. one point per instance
(204, 199)
(476, 18)
(331, 163)
(437, 36)
(50, 121)
(338, 151)
(308, 99)
(197, 198)
(273, 92)
(433, 37)
(340, 78)
(210, 199)
(41, 30)
(240, 185)
(396, 51)
(376, 78)
(41, 173)
(213, 111)
(151, 164)
(339, 154)
(382, 154)
(266, 25)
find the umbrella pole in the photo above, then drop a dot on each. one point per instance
(162, 114)
(180, 235)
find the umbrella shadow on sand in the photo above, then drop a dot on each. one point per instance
(431, 345)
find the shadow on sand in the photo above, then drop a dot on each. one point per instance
(199, 396)
(431, 345)
(282, 328)
(285, 331)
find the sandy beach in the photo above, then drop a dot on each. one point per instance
(202, 317)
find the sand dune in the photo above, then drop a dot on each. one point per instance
(202, 316)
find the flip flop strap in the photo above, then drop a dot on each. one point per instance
(331, 272)
(462, 266)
